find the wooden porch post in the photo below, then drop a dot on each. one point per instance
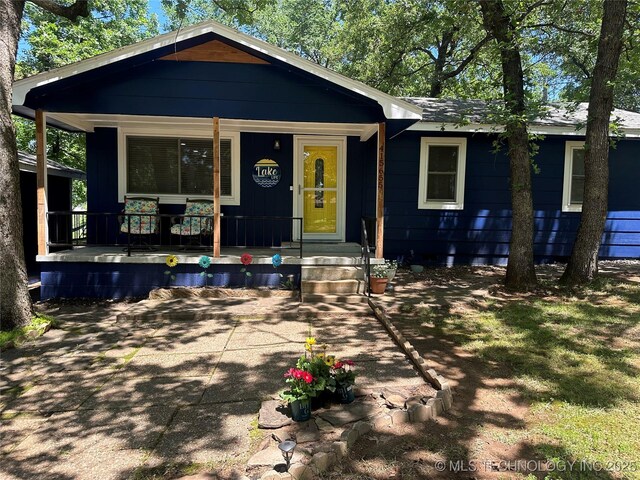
(380, 191)
(216, 187)
(41, 181)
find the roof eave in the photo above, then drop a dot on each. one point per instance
(393, 108)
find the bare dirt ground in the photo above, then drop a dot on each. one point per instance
(484, 435)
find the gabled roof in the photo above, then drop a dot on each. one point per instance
(476, 115)
(28, 163)
(393, 108)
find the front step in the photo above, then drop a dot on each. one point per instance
(332, 273)
(332, 286)
(335, 299)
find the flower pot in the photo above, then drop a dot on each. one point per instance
(417, 268)
(378, 285)
(345, 394)
(301, 410)
(391, 273)
(321, 400)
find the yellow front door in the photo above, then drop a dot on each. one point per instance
(320, 189)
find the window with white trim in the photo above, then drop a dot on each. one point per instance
(177, 167)
(442, 173)
(573, 185)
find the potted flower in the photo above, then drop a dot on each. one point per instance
(302, 387)
(392, 268)
(318, 364)
(379, 278)
(344, 379)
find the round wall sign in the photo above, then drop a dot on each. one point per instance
(266, 173)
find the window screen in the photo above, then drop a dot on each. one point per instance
(176, 166)
(577, 176)
(442, 172)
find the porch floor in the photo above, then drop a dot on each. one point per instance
(312, 254)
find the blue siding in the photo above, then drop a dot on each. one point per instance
(208, 89)
(481, 232)
(127, 280)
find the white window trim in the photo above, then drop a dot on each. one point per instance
(567, 206)
(425, 143)
(171, 132)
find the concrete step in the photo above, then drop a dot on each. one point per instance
(332, 286)
(312, 298)
(332, 273)
(329, 248)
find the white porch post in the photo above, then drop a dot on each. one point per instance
(41, 181)
(216, 187)
(380, 191)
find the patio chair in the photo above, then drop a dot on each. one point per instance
(196, 223)
(140, 219)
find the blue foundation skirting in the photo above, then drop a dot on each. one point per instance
(131, 280)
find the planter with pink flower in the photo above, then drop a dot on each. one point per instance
(317, 379)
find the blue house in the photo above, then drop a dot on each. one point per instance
(298, 160)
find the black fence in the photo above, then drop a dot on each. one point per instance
(136, 232)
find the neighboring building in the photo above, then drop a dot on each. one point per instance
(300, 141)
(59, 181)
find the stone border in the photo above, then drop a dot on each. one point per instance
(416, 413)
(438, 381)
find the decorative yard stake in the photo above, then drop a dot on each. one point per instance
(171, 262)
(205, 263)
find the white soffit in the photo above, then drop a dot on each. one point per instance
(394, 108)
(89, 122)
(487, 128)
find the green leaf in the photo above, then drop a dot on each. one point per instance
(210, 275)
(249, 274)
(167, 272)
(202, 274)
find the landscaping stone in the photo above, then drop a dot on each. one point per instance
(419, 413)
(270, 475)
(399, 417)
(323, 425)
(362, 392)
(322, 461)
(348, 413)
(362, 427)
(440, 382)
(436, 405)
(341, 449)
(273, 415)
(411, 401)
(393, 398)
(299, 471)
(382, 421)
(350, 436)
(446, 397)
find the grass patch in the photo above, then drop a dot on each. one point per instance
(575, 356)
(39, 325)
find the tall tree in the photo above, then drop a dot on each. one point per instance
(51, 42)
(503, 28)
(15, 304)
(583, 264)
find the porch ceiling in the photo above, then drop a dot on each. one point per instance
(89, 122)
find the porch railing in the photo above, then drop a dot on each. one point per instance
(366, 253)
(79, 228)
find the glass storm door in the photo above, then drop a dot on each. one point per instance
(320, 189)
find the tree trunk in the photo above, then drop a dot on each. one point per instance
(521, 273)
(583, 264)
(15, 303)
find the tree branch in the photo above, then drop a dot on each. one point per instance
(562, 29)
(472, 53)
(80, 8)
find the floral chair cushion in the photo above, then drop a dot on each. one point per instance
(195, 225)
(144, 224)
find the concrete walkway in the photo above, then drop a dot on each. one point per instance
(123, 389)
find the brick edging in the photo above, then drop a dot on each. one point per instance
(439, 382)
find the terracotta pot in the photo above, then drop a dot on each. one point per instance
(378, 285)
